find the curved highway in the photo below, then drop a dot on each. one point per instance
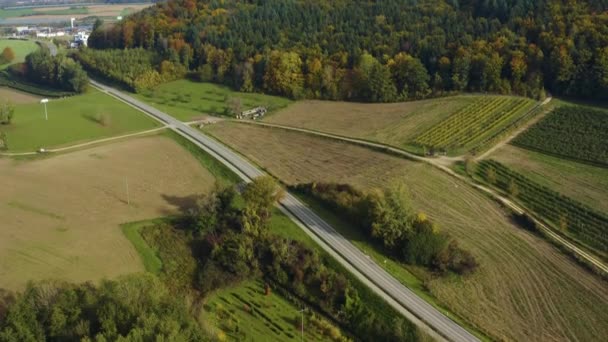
(400, 297)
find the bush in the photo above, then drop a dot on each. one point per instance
(7, 55)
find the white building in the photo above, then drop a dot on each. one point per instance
(81, 38)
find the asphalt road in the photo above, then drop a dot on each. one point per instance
(401, 298)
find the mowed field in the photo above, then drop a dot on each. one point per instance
(61, 215)
(21, 48)
(72, 120)
(188, 100)
(587, 184)
(455, 124)
(525, 289)
(395, 124)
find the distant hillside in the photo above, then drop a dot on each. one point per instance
(380, 50)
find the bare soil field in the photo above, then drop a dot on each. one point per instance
(393, 123)
(524, 290)
(61, 215)
(585, 183)
(17, 97)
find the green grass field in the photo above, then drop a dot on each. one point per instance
(21, 48)
(187, 100)
(72, 120)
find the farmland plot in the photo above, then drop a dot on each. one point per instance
(395, 124)
(469, 126)
(587, 184)
(524, 289)
(61, 215)
(574, 132)
(571, 217)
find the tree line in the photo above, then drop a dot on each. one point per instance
(378, 51)
(131, 308)
(387, 217)
(58, 72)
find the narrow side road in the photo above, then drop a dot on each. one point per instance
(578, 252)
(400, 297)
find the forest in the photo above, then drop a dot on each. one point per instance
(378, 51)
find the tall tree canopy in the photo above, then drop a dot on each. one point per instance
(312, 48)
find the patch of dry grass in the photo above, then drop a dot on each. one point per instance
(525, 289)
(395, 124)
(17, 97)
(61, 215)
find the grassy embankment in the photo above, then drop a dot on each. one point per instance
(539, 287)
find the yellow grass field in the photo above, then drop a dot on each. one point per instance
(61, 214)
(395, 124)
(525, 288)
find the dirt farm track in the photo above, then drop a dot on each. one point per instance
(61, 215)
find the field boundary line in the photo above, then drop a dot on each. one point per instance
(71, 147)
(558, 239)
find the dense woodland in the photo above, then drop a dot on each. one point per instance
(378, 51)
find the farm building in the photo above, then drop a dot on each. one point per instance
(252, 113)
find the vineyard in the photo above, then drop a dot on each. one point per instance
(581, 222)
(575, 132)
(471, 125)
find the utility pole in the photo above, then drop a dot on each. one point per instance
(302, 312)
(127, 186)
(46, 114)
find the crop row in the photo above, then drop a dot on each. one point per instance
(574, 132)
(584, 223)
(472, 122)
